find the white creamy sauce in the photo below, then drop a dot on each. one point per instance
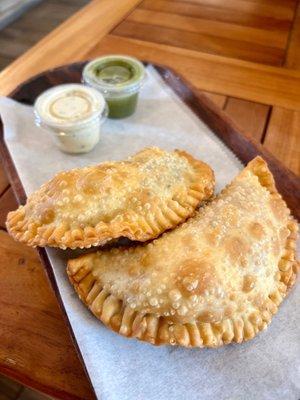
(73, 113)
(81, 140)
(71, 107)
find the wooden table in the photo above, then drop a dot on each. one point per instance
(244, 54)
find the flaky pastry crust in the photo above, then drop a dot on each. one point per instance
(216, 279)
(138, 199)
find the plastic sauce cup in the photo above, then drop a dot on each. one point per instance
(119, 78)
(74, 114)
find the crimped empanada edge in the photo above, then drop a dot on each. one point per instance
(142, 229)
(161, 331)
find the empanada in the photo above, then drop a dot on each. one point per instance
(216, 279)
(138, 199)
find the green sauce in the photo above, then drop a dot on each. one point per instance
(114, 74)
(123, 106)
(119, 78)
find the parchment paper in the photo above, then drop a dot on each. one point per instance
(267, 367)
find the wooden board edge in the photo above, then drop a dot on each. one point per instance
(45, 260)
(20, 194)
(11, 170)
(33, 384)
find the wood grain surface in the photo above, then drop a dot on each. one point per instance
(35, 346)
(283, 131)
(283, 137)
(38, 22)
(233, 28)
(234, 12)
(214, 73)
(218, 99)
(8, 203)
(210, 27)
(3, 180)
(208, 43)
(244, 54)
(69, 42)
(249, 116)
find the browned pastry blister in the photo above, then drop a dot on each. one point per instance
(138, 198)
(216, 279)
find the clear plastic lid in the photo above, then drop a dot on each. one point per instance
(69, 105)
(115, 74)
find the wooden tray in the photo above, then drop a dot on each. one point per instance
(287, 182)
(244, 147)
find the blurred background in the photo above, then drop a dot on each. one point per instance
(25, 22)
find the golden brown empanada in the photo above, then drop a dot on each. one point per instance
(138, 199)
(216, 279)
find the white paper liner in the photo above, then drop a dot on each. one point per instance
(265, 368)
